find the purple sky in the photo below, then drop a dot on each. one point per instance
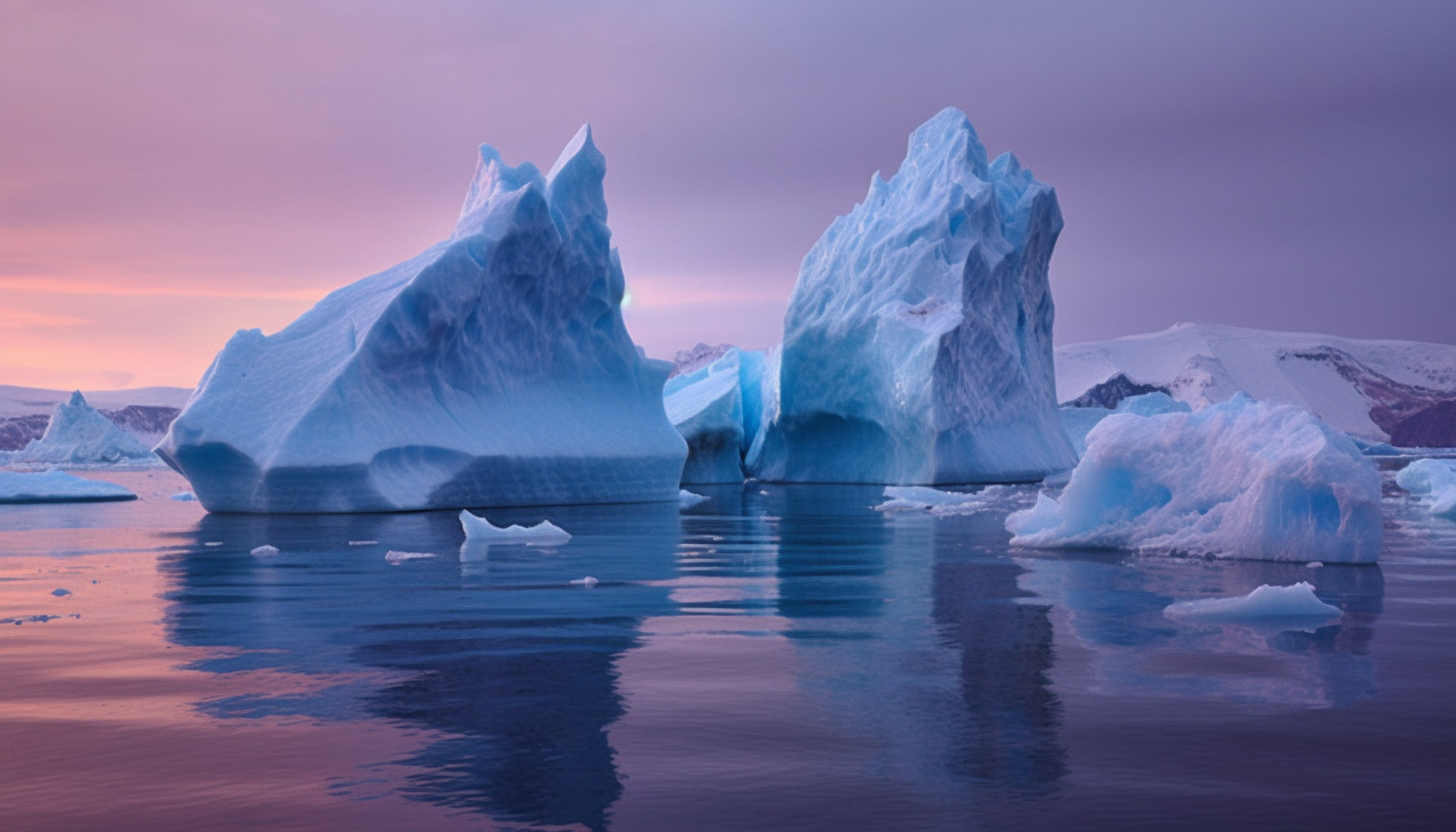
(171, 171)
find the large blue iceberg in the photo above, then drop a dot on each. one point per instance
(492, 370)
(918, 338)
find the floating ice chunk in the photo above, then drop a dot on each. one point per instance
(687, 498)
(480, 530)
(949, 503)
(264, 551)
(79, 435)
(1434, 481)
(1297, 601)
(57, 487)
(1239, 479)
(213, 543)
(587, 582)
(494, 369)
(918, 338)
(394, 558)
(60, 593)
(363, 542)
(1314, 564)
(184, 496)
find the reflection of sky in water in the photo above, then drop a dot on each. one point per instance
(774, 658)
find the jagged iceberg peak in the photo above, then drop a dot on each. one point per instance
(78, 434)
(493, 369)
(920, 328)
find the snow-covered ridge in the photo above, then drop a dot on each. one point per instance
(1402, 392)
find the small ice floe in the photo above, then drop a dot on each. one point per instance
(264, 551)
(687, 498)
(1314, 564)
(185, 497)
(481, 530)
(363, 543)
(60, 592)
(213, 543)
(587, 582)
(394, 558)
(57, 487)
(1434, 482)
(950, 503)
(1297, 601)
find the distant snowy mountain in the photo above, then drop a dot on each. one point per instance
(144, 412)
(1401, 392)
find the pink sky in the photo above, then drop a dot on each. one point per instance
(173, 171)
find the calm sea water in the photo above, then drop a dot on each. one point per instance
(777, 658)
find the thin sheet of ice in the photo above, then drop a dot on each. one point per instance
(951, 503)
(57, 487)
(1296, 601)
(1240, 479)
(481, 530)
(1434, 481)
(394, 558)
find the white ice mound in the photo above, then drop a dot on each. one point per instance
(492, 370)
(918, 338)
(57, 487)
(79, 435)
(1433, 480)
(1297, 601)
(1240, 479)
(481, 530)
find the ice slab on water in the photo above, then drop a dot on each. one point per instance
(1267, 601)
(688, 498)
(951, 503)
(394, 558)
(918, 339)
(481, 530)
(1239, 479)
(1434, 481)
(264, 551)
(494, 369)
(57, 487)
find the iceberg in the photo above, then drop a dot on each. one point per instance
(57, 487)
(950, 503)
(706, 406)
(1296, 601)
(1240, 479)
(481, 530)
(917, 342)
(1434, 480)
(494, 369)
(79, 435)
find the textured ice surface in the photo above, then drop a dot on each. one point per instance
(1239, 479)
(1079, 421)
(78, 435)
(917, 342)
(481, 530)
(1398, 391)
(705, 404)
(1434, 481)
(394, 558)
(1265, 602)
(57, 487)
(493, 369)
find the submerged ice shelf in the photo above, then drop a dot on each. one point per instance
(492, 370)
